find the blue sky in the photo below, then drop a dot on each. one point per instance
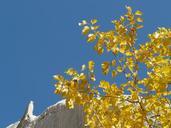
(40, 38)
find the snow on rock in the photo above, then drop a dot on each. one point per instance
(55, 116)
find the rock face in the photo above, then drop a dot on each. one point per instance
(55, 116)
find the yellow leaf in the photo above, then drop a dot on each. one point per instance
(122, 19)
(128, 75)
(92, 77)
(94, 21)
(91, 38)
(129, 9)
(70, 104)
(122, 48)
(84, 22)
(113, 62)
(91, 66)
(71, 72)
(139, 19)
(82, 77)
(104, 84)
(134, 96)
(58, 77)
(98, 49)
(139, 26)
(94, 27)
(105, 67)
(85, 30)
(138, 13)
(119, 69)
(114, 73)
(128, 53)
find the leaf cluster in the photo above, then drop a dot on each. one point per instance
(138, 102)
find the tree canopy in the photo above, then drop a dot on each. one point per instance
(137, 101)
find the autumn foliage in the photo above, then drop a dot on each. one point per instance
(137, 101)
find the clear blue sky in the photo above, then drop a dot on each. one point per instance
(39, 38)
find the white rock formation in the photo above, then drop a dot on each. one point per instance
(55, 116)
(13, 125)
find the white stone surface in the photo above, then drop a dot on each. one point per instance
(55, 116)
(13, 125)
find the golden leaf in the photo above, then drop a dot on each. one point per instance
(94, 21)
(129, 9)
(94, 28)
(98, 49)
(139, 19)
(92, 77)
(91, 66)
(85, 30)
(58, 77)
(114, 73)
(71, 72)
(91, 38)
(139, 26)
(104, 84)
(107, 105)
(138, 13)
(119, 69)
(105, 67)
(113, 62)
(70, 104)
(84, 22)
(128, 75)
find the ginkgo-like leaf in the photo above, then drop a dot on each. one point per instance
(114, 73)
(128, 75)
(139, 19)
(105, 67)
(91, 66)
(92, 77)
(70, 104)
(113, 62)
(91, 38)
(85, 30)
(94, 28)
(138, 13)
(139, 26)
(84, 22)
(104, 84)
(93, 21)
(71, 72)
(129, 9)
(119, 69)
